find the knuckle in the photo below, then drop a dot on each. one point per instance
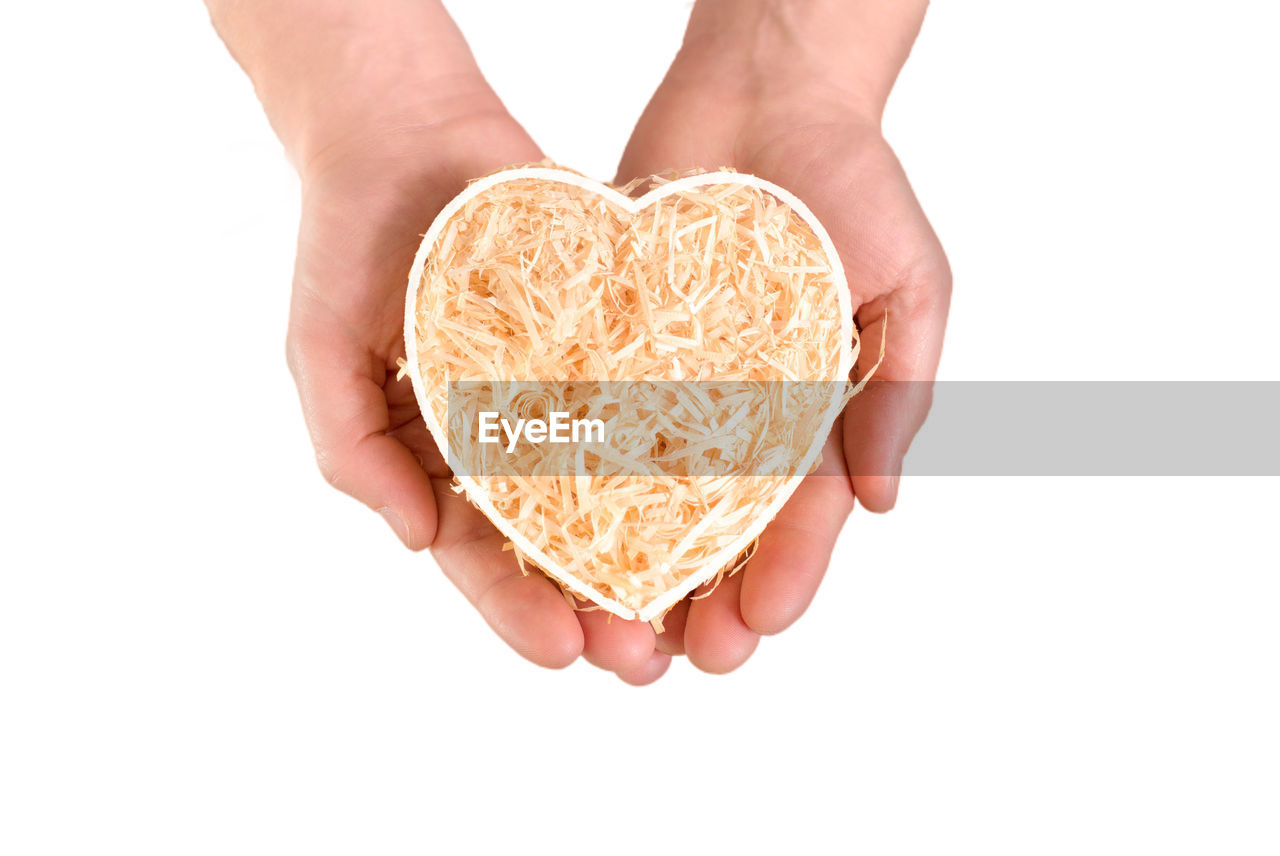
(292, 354)
(328, 469)
(931, 273)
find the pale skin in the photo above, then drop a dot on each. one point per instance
(382, 110)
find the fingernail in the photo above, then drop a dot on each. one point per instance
(397, 524)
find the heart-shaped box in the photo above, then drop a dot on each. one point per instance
(540, 275)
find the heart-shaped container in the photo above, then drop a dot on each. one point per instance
(629, 582)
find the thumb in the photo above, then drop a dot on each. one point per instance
(882, 420)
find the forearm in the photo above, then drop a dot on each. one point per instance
(329, 71)
(855, 47)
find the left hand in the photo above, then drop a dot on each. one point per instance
(823, 143)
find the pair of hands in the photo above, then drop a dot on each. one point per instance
(369, 195)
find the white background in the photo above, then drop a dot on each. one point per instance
(203, 649)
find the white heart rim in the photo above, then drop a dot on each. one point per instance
(721, 559)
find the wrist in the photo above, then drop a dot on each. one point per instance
(336, 74)
(391, 163)
(404, 123)
(840, 55)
